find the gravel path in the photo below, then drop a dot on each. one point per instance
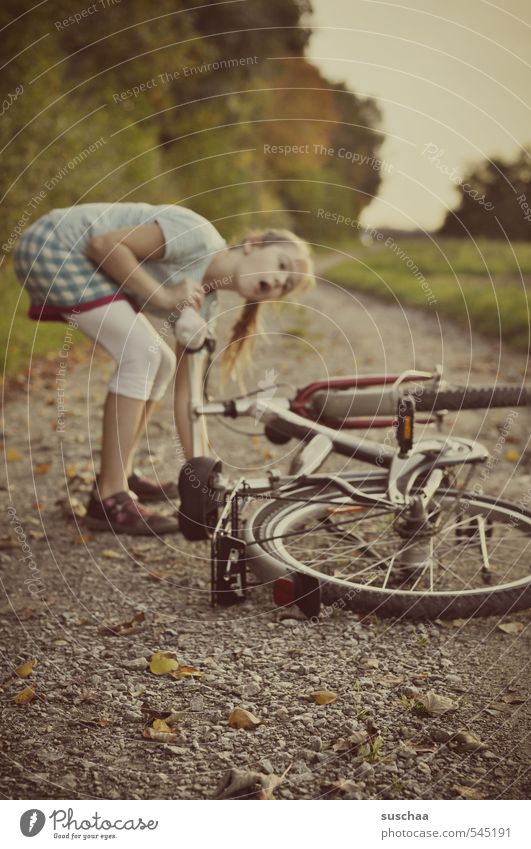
(81, 736)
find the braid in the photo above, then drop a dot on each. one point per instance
(246, 325)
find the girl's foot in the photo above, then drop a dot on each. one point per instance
(148, 490)
(121, 514)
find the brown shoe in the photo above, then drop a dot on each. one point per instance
(121, 514)
(149, 490)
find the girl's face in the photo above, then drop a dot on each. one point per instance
(266, 272)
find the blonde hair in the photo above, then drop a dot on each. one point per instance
(237, 352)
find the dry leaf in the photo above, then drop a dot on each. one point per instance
(187, 672)
(26, 669)
(70, 470)
(161, 729)
(324, 697)
(238, 783)
(163, 662)
(511, 627)
(370, 663)
(72, 507)
(42, 468)
(421, 745)
(123, 629)
(161, 736)
(467, 792)
(465, 741)
(509, 699)
(240, 718)
(158, 576)
(434, 704)
(85, 697)
(112, 555)
(500, 707)
(512, 455)
(171, 717)
(25, 695)
(352, 742)
(98, 723)
(82, 539)
(13, 454)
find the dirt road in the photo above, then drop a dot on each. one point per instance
(81, 735)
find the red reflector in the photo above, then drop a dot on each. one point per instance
(283, 592)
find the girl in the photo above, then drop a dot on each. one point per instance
(107, 264)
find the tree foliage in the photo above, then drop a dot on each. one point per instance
(495, 199)
(184, 102)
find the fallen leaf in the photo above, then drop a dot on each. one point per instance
(82, 539)
(123, 629)
(42, 468)
(239, 783)
(421, 745)
(149, 713)
(26, 669)
(511, 627)
(350, 743)
(511, 455)
(509, 699)
(465, 741)
(434, 704)
(500, 707)
(370, 663)
(346, 786)
(13, 454)
(72, 507)
(158, 576)
(467, 792)
(70, 470)
(112, 555)
(25, 695)
(240, 718)
(85, 697)
(163, 662)
(160, 732)
(98, 723)
(324, 697)
(187, 672)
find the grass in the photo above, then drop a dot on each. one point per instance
(22, 342)
(486, 285)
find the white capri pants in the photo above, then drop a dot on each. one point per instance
(145, 363)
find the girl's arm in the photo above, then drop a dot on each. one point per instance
(118, 253)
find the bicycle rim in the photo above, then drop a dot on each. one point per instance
(474, 559)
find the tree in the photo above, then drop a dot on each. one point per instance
(494, 197)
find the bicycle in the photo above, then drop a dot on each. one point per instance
(406, 539)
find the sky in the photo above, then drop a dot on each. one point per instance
(452, 78)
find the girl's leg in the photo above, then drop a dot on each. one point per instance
(135, 345)
(163, 377)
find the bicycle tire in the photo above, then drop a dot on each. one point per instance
(347, 403)
(267, 558)
(472, 398)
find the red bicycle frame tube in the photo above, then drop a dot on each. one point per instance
(299, 403)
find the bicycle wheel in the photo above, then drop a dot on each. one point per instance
(472, 557)
(383, 401)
